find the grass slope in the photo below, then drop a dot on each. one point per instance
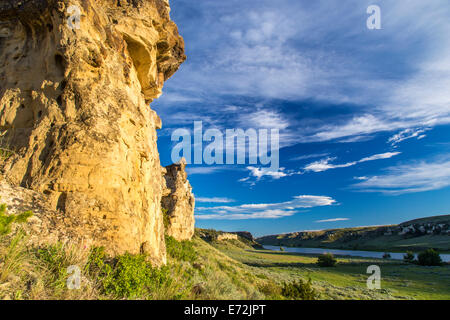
(199, 269)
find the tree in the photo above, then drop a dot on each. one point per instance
(429, 257)
(326, 260)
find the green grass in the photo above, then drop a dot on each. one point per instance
(348, 279)
(200, 270)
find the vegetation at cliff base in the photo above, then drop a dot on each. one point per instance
(6, 221)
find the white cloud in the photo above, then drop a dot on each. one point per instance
(333, 220)
(357, 126)
(213, 200)
(260, 173)
(270, 119)
(288, 50)
(263, 210)
(263, 172)
(207, 169)
(415, 177)
(324, 164)
(309, 156)
(380, 156)
(407, 134)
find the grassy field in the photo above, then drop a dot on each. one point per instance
(348, 279)
(199, 269)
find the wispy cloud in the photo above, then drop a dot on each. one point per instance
(309, 156)
(415, 177)
(407, 134)
(263, 210)
(281, 51)
(324, 164)
(333, 220)
(208, 169)
(259, 173)
(213, 200)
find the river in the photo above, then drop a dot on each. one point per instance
(353, 253)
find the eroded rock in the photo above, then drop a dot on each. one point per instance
(179, 202)
(74, 107)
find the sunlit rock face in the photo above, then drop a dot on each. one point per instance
(179, 202)
(75, 110)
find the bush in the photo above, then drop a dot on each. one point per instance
(409, 257)
(129, 276)
(429, 257)
(386, 255)
(56, 258)
(299, 290)
(181, 250)
(326, 260)
(6, 221)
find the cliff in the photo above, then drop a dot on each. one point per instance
(179, 202)
(74, 111)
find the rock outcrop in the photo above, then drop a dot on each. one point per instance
(227, 236)
(74, 109)
(245, 234)
(179, 202)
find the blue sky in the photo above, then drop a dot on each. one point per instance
(363, 115)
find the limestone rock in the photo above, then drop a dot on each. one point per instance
(44, 227)
(74, 108)
(227, 236)
(179, 202)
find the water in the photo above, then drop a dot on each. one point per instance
(353, 253)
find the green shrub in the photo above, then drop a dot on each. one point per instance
(56, 259)
(6, 221)
(326, 260)
(181, 250)
(409, 257)
(386, 255)
(429, 257)
(299, 290)
(270, 289)
(132, 276)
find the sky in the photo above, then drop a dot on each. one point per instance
(363, 114)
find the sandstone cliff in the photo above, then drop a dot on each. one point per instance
(74, 109)
(179, 202)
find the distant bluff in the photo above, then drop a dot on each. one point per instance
(74, 109)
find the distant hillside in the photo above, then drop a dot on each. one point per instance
(241, 238)
(415, 235)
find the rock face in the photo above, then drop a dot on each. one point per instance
(227, 236)
(74, 108)
(179, 202)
